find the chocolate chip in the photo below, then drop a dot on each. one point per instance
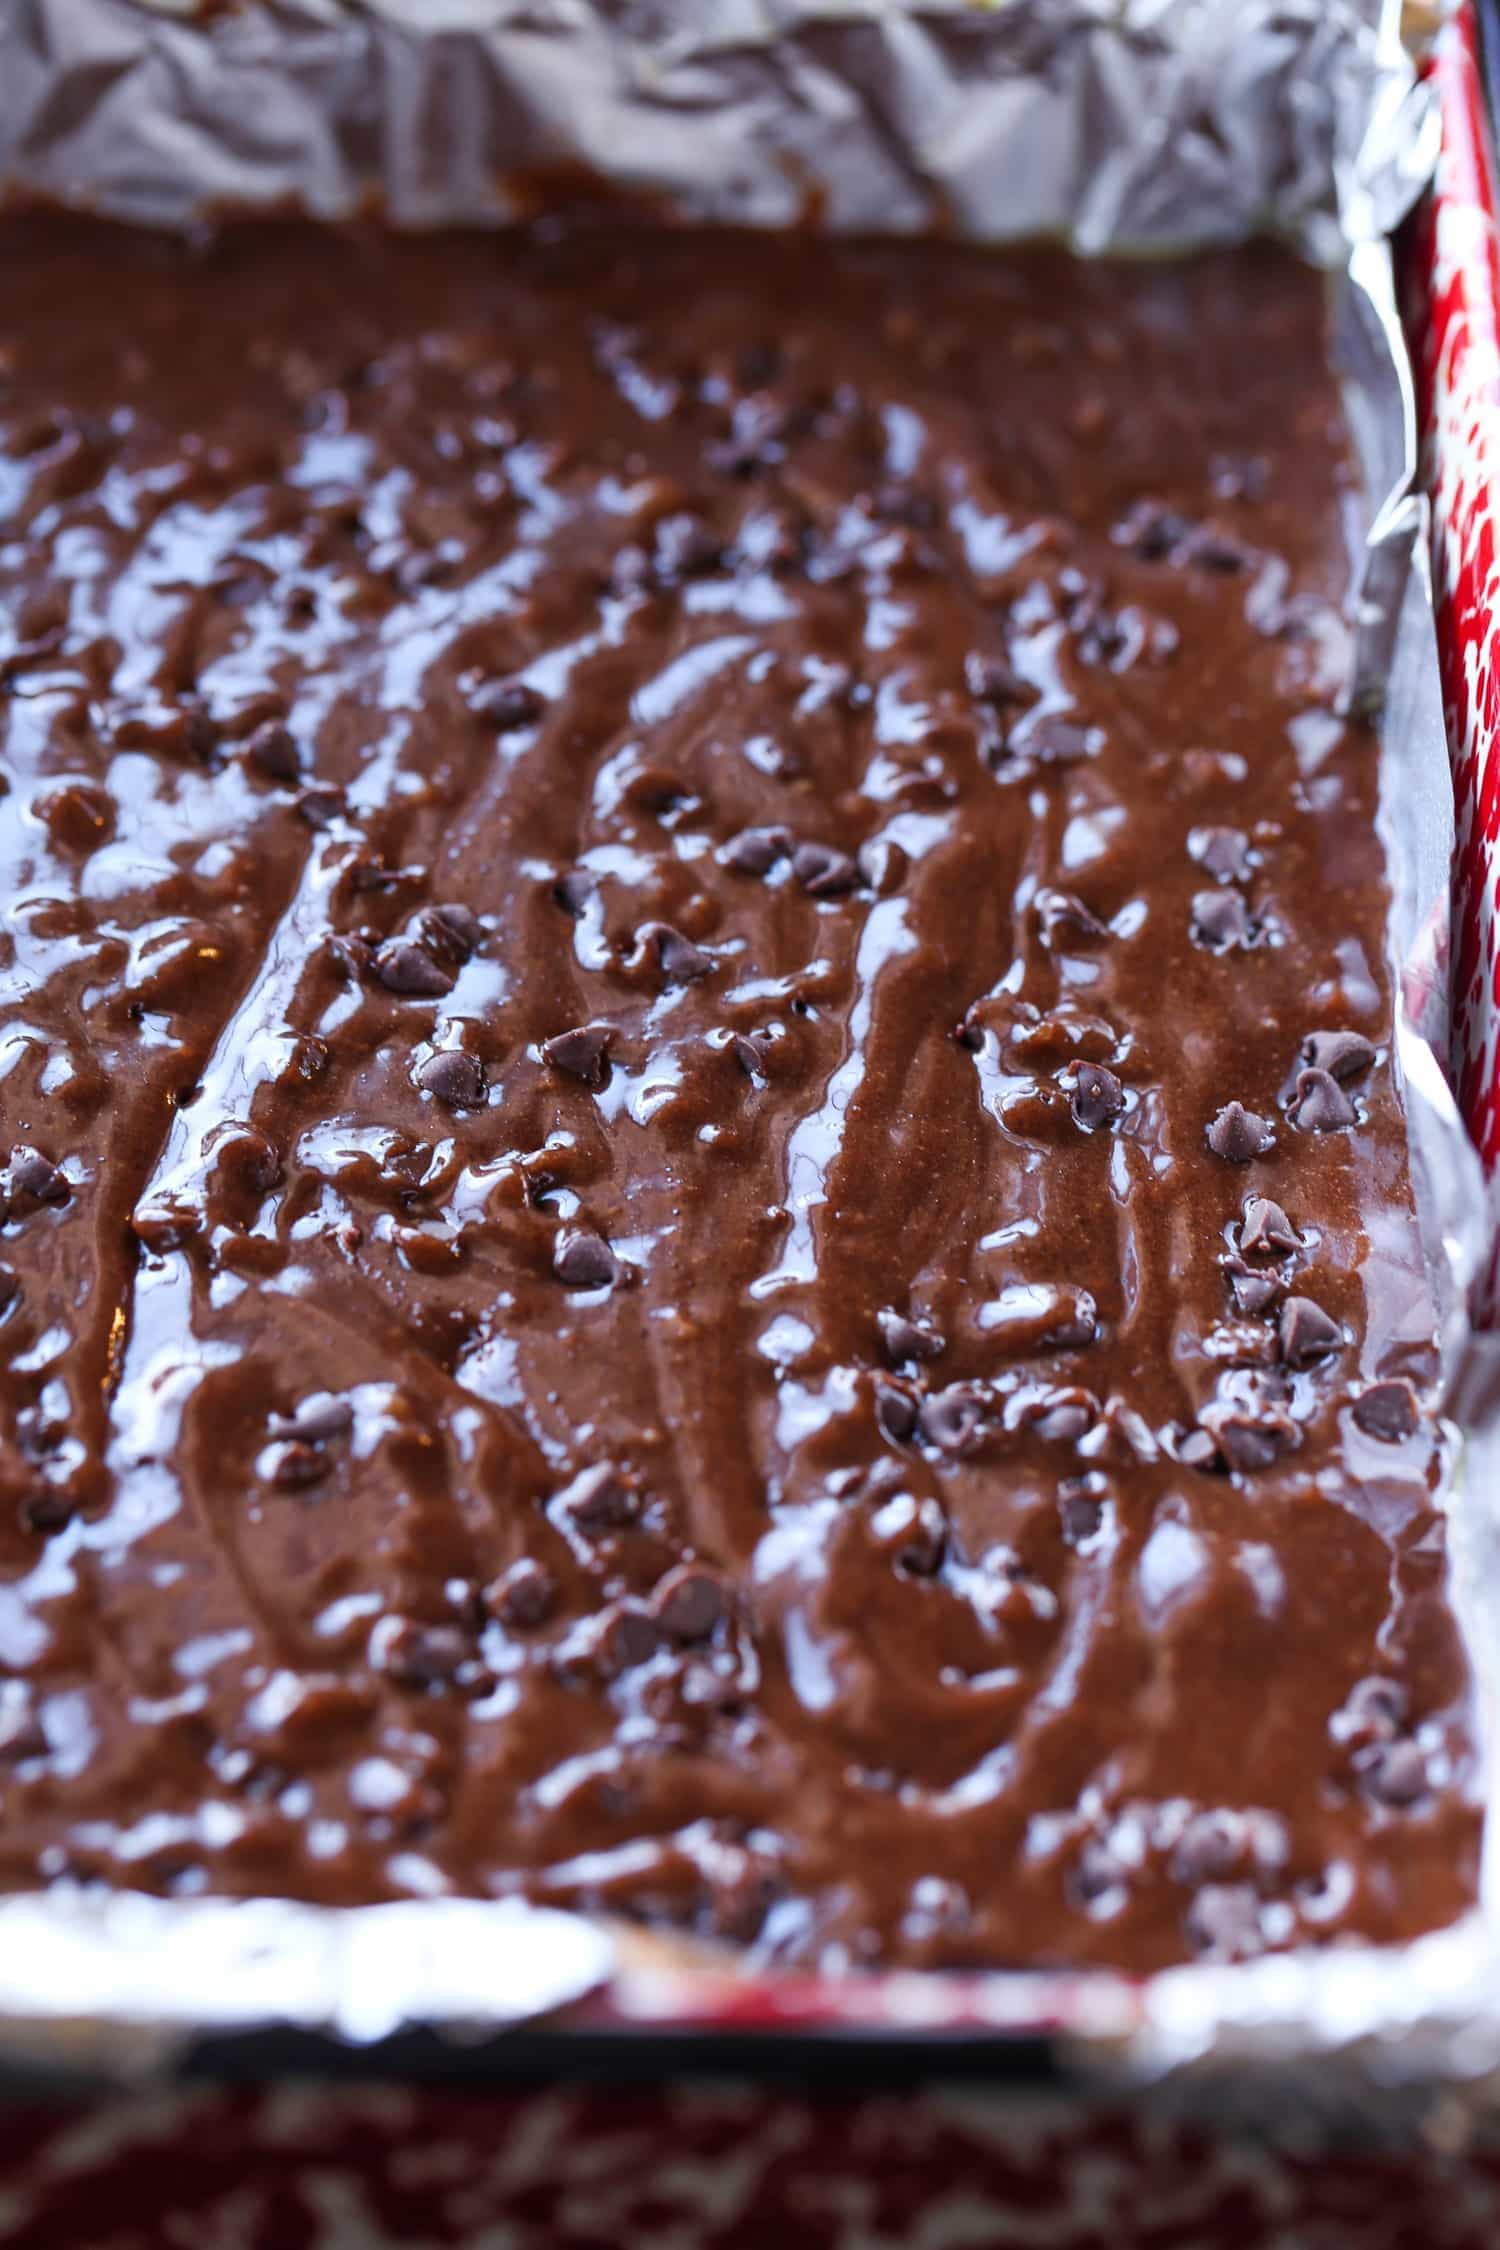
(523, 1596)
(1266, 1231)
(507, 704)
(1224, 1920)
(1251, 1442)
(273, 749)
(953, 1419)
(1396, 1773)
(1221, 921)
(1224, 852)
(410, 970)
(823, 871)
(423, 1656)
(1320, 1104)
(1055, 742)
(1153, 532)
(1377, 1706)
(1306, 1333)
(580, 1053)
(452, 1077)
(1236, 1134)
(1252, 1292)
(626, 1635)
(32, 1179)
(755, 851)
(456, 926)
(1080, 1506)
(680, 961)
(1097, 1097)
(1211, 1846)
(1197, 1449)
(574, 890)
(316, 1418)
(1214, 550)
(1387, 1411)
(320, 803)
(1062, 916)
(1345, 1055)
(882, 865)
(685, 547)
(749, 1051)
(895, 1412)
(584, 1260)
(688, 1603)
(906, 1338)
(292, 1463)
(991, 680)
(600, 1498)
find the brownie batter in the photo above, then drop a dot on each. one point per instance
(705, 1213)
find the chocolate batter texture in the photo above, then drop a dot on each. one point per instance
(704, 1208)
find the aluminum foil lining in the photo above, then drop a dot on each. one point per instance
(1118, 125)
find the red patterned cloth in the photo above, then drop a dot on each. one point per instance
(705, 2168)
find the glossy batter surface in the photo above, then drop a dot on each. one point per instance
(704, 1206)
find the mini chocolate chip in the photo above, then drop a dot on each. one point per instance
(823, 871)
(882, 864)
(574, 890)
(1396, 1773)
(320, 803)
(1252, 1292)
(424, 1656)
(458, 925)
(1265, 1230)
(953, 1419)
(452, 1077)
(1377, 1705)
(1210, 1847)
(1062, 916)
(273, 749)
(582, 1259)
(685, 547)
(1320, 1104)
(1306, 1333)
(1236, 1134)
(1100, 1873)
(314, 1419)
(681, 961)
(1221, 921)
(991, 680)
(1250, 1443)
(1053, 741)
(906, 1338)
(1080, 1506)
(507, 704)
(1215, 550)
(749, 1051)
(523, 1596)
(1153, 532)
(1344, 1055)
(1198, 1450)
(895, 1412)
(410, 970)
(1224, 1920)
(32, 1179)
(600, 1498)
(581, 1053)
(626, 1635)
(1387, 1411)
(1097, 1097)
(688, 1603)
(1223, 852)
(755, 851)
(293, 1463)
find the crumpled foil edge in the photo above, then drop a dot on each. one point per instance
(1139, 125)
